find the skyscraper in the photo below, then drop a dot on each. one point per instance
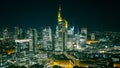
(92, 36)
(32, 34)
(35, 40)
(84, 31)
(16, 34)
(5, 34)
(47, 38)
(61, 32)
(70, 36)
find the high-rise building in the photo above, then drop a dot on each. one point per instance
(5, 34)
(21, 34)
(22, 47)
(61, 32)
(47, 38)
(82, 40)
(32, 34)
(92, 36)
(18, 33)
(70, 40)
(35, 40)
(84, 31)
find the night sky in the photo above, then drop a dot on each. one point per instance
(103, 15)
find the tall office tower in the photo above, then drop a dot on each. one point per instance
(61, 32)
(47, 38)
(84, 31)
(16, 34)
(33, 35)
(30, 36)
(22, 46)
(93, 36)
(35, 40)
(70, 36)
(65, 33)
(20, 33)
(5, 34)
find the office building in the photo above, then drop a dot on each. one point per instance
(61, 33)
(47, 38)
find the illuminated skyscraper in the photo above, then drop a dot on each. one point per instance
(32, 34)
(20, 33)
(82, 39)
(61, 32)
(47, 38)
(16, 34)
(22, 46)
(35, 40)
(93, 36)
(84, 31)
(5, 34)
(70, 36)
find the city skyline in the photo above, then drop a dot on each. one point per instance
(95, 15)
(59, 33)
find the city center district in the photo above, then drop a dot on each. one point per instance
(63, 48)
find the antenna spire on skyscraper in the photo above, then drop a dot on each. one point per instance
(59, 14)
(59, 7)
